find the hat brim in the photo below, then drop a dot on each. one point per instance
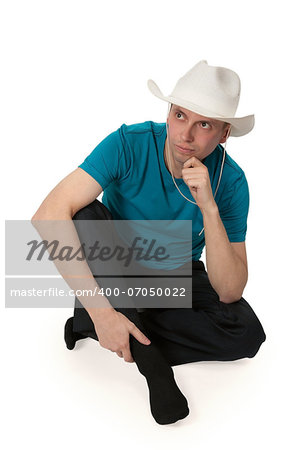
(239, 125)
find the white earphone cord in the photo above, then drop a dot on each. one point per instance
(170, 165)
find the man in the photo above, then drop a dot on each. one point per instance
(149, 171)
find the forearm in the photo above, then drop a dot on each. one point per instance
(75, 272)
(226, 271)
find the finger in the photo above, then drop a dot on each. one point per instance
(139, 335)
(194, 176)
(192, 179)
(193, 171)
(193, 183)
(192, 162)
(127, 355)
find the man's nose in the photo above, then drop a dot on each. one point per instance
(187, 133)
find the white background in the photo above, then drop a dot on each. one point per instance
(72, 72)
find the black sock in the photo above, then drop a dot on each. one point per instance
(167, 403)
(71, 336)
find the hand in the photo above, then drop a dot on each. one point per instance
(113, 329)
(196, 176)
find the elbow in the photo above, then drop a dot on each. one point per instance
(40, 213)
(230, 298)
(52, 212)
(34, 218)
(37, 216)
(233, 295)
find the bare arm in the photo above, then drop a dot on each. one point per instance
(53, 221)
(226, 262)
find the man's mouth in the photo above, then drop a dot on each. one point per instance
(184, 150)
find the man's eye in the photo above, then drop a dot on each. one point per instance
(178, 113)
(205, 125)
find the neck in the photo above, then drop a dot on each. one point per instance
(177, 171)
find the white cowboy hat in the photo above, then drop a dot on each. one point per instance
(210, 91)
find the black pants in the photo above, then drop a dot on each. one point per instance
(209, 331)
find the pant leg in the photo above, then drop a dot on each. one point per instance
(209, 331)
(82, 322)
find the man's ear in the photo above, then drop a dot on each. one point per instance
(226, 134)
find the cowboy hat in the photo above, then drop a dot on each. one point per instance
(210, 91)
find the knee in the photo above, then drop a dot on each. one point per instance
(255, 337)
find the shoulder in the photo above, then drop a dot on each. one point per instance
(142, 129)
(233, 170)
(233, 176)
(234, 185)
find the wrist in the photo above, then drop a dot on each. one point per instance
(100, 313)
(210, 208)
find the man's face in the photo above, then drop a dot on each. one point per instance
(197, 134)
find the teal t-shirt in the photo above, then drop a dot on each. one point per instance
(129, 165)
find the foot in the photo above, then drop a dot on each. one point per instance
(71, 336)
(167, 403)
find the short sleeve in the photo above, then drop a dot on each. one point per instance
(234, 217)
(108, 161)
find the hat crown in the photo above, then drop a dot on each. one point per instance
(215, 88)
